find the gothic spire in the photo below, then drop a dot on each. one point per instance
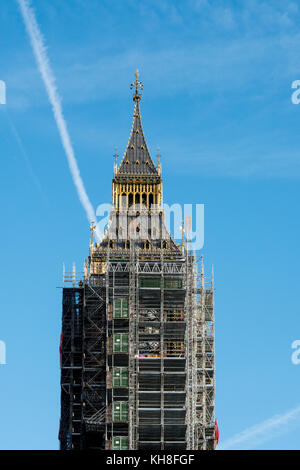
(137, 160)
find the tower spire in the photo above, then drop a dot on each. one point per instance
(136, 160)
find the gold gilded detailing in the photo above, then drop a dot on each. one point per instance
(145, 192)
(142, 147)
(137, 131)
(137, 84)
(132, 147)
(182, 228)
(92, 229)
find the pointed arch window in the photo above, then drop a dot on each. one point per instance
(130, 199)
(137, 198)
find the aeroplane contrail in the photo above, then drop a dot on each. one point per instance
(39, 49)
(263, 431)
(24, 154)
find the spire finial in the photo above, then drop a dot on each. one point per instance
(115, 163)
(136, 84)
(158, 155)
(92, 229)
(182, 229)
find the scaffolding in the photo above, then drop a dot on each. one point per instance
(133, 350)
(144, 329)
(71, 357)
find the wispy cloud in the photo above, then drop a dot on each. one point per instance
(40, 53)
(25, 156)
(263, 44)
(275, 426)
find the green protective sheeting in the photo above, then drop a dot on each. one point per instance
(158, 283)
(120, 377)
(120, 343)
(120, 411)
(120, 308)
(120, 443)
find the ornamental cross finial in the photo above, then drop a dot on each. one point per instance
(158, 155)
(182, 232)
(116, 155)
(137, 84)
(115, 164)
(92, 229)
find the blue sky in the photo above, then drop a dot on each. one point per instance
(217, 101)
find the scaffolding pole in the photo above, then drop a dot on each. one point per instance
(132, 359)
